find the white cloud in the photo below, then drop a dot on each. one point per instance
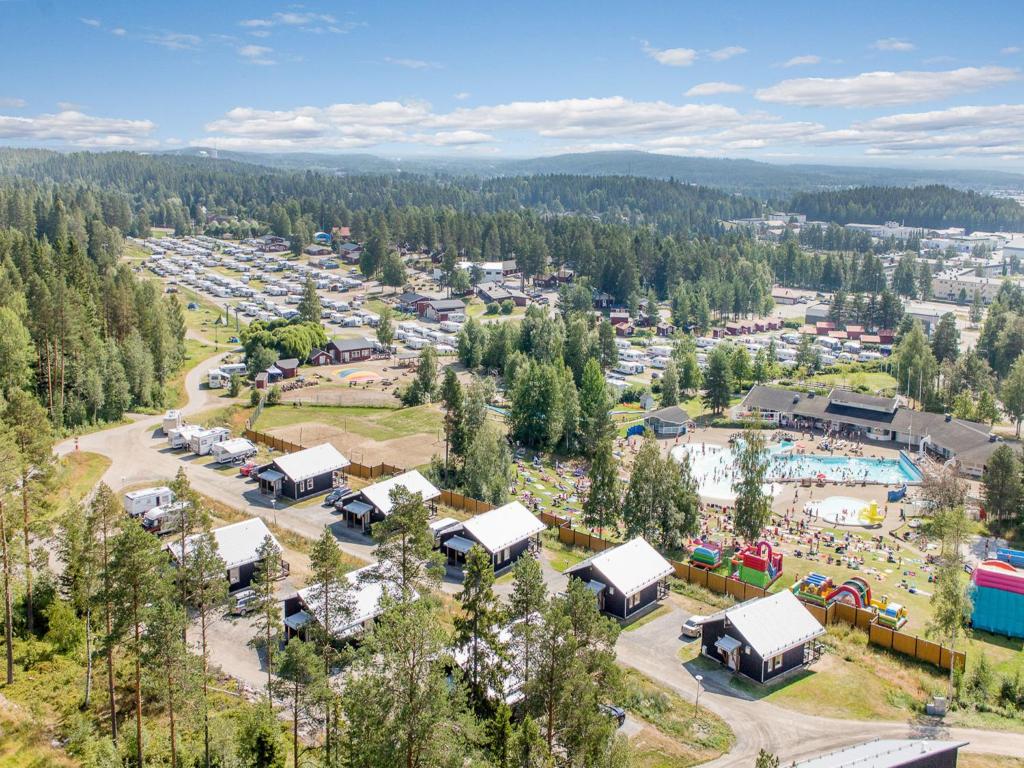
(671, 57)
(871, 89)
(12, 102)
(260, 33)
(461, 95)
(76, 128)
(892, 44)
(710, 89)
(412, 63)
(69, 106)
(257, 54)
(256, 23)
(1010, 49)
(174, 41)
(800, 61)
(119, 31)
(726, 53)
(90, 22)
(302, 18)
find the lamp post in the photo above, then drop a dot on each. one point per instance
(696, 703)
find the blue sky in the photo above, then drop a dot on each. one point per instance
(908, 83)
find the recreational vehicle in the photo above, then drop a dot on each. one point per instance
(179, 437)
(203, 441)
(164, 519)
(139, 502)
(172, 420)
(231, 451)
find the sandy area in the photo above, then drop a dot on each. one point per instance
(410, 451)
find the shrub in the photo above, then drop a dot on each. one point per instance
(507, 306)
(254, 397)
(274, 395)
(493, 308)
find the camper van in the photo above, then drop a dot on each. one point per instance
(179, 437)
(628, 368)
(172, 420)
(164, 519)
(202, 441)
(231, 451)
(139, 502)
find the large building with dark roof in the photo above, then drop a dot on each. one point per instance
(880, 419)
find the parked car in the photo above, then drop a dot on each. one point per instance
(247, 469)
(618, 713)
(692, 626)
(334, 497)
(243, 602)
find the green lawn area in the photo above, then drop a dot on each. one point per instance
(376, 423)
(856, 378)
(676, 736)
(77, 473)
(562, 556)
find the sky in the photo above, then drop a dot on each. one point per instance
(926, 84)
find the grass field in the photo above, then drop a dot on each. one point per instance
(852, 377)
(376, 423)
(77, 473)
(674, 735)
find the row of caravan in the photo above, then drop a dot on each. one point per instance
(212, 441)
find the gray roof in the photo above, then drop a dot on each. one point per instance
(442, 305)
(351, 345)
(673, 414)
(882, 753)
(848, 397)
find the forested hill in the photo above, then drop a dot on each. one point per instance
(932, 206)
(153, 182)
(749, 177)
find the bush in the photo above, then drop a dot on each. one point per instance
(507, 306)
(493, 308)
(274, 395)
(1011, 694)
(632, 393)
(254, 398)
(979, 681)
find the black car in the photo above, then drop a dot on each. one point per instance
(334, 496)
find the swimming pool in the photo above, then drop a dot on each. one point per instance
(786, 465)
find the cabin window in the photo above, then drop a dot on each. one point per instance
(775, 662)
(631, 603)
(504, 555)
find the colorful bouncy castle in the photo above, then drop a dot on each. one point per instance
(999, 597)
(820, 590)
(757, 565)
(888, 614)
(706, 554)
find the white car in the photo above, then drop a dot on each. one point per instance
(692, 626)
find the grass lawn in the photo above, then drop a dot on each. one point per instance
(647, 618)
(561, 555)
(855, 378)
(375, 423)
(77, 473)
(674, 735)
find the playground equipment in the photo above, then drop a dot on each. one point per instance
(888, 614)
(872, 516)
(999, 597)
(706, 554)
(820, 590)
(757, 565)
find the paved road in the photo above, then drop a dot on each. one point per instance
(139, 455)
(653, 650)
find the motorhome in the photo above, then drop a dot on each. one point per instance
(164, 519)
(172, 420)
(139, 502)
(179, 437)
(628, 368)
(353, 322)
(202, 441)
(232, 451)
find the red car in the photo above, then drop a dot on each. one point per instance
(247, 469)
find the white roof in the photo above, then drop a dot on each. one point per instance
(629, 567)
(882, 753)
(365, 602)
(232, 445)
(379, 494)
(436, 526)
(311, 462)
(774, 624)
(237, 543)
(504, 526)
(160, 489)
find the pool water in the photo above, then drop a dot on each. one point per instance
(786, 465)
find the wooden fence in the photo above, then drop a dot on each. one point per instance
(372, 473)
(466, 503)
(837, 613)
(269, 440)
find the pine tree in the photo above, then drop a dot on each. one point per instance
(266, 607)
(167, 657)
(476, 627)
(386, 327)
(454, 418)
(8, 476)
(301, 677)
(604, 497)
(138, 580)
(405, 547)
(526, 604)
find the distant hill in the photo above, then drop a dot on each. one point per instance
(765, 180)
